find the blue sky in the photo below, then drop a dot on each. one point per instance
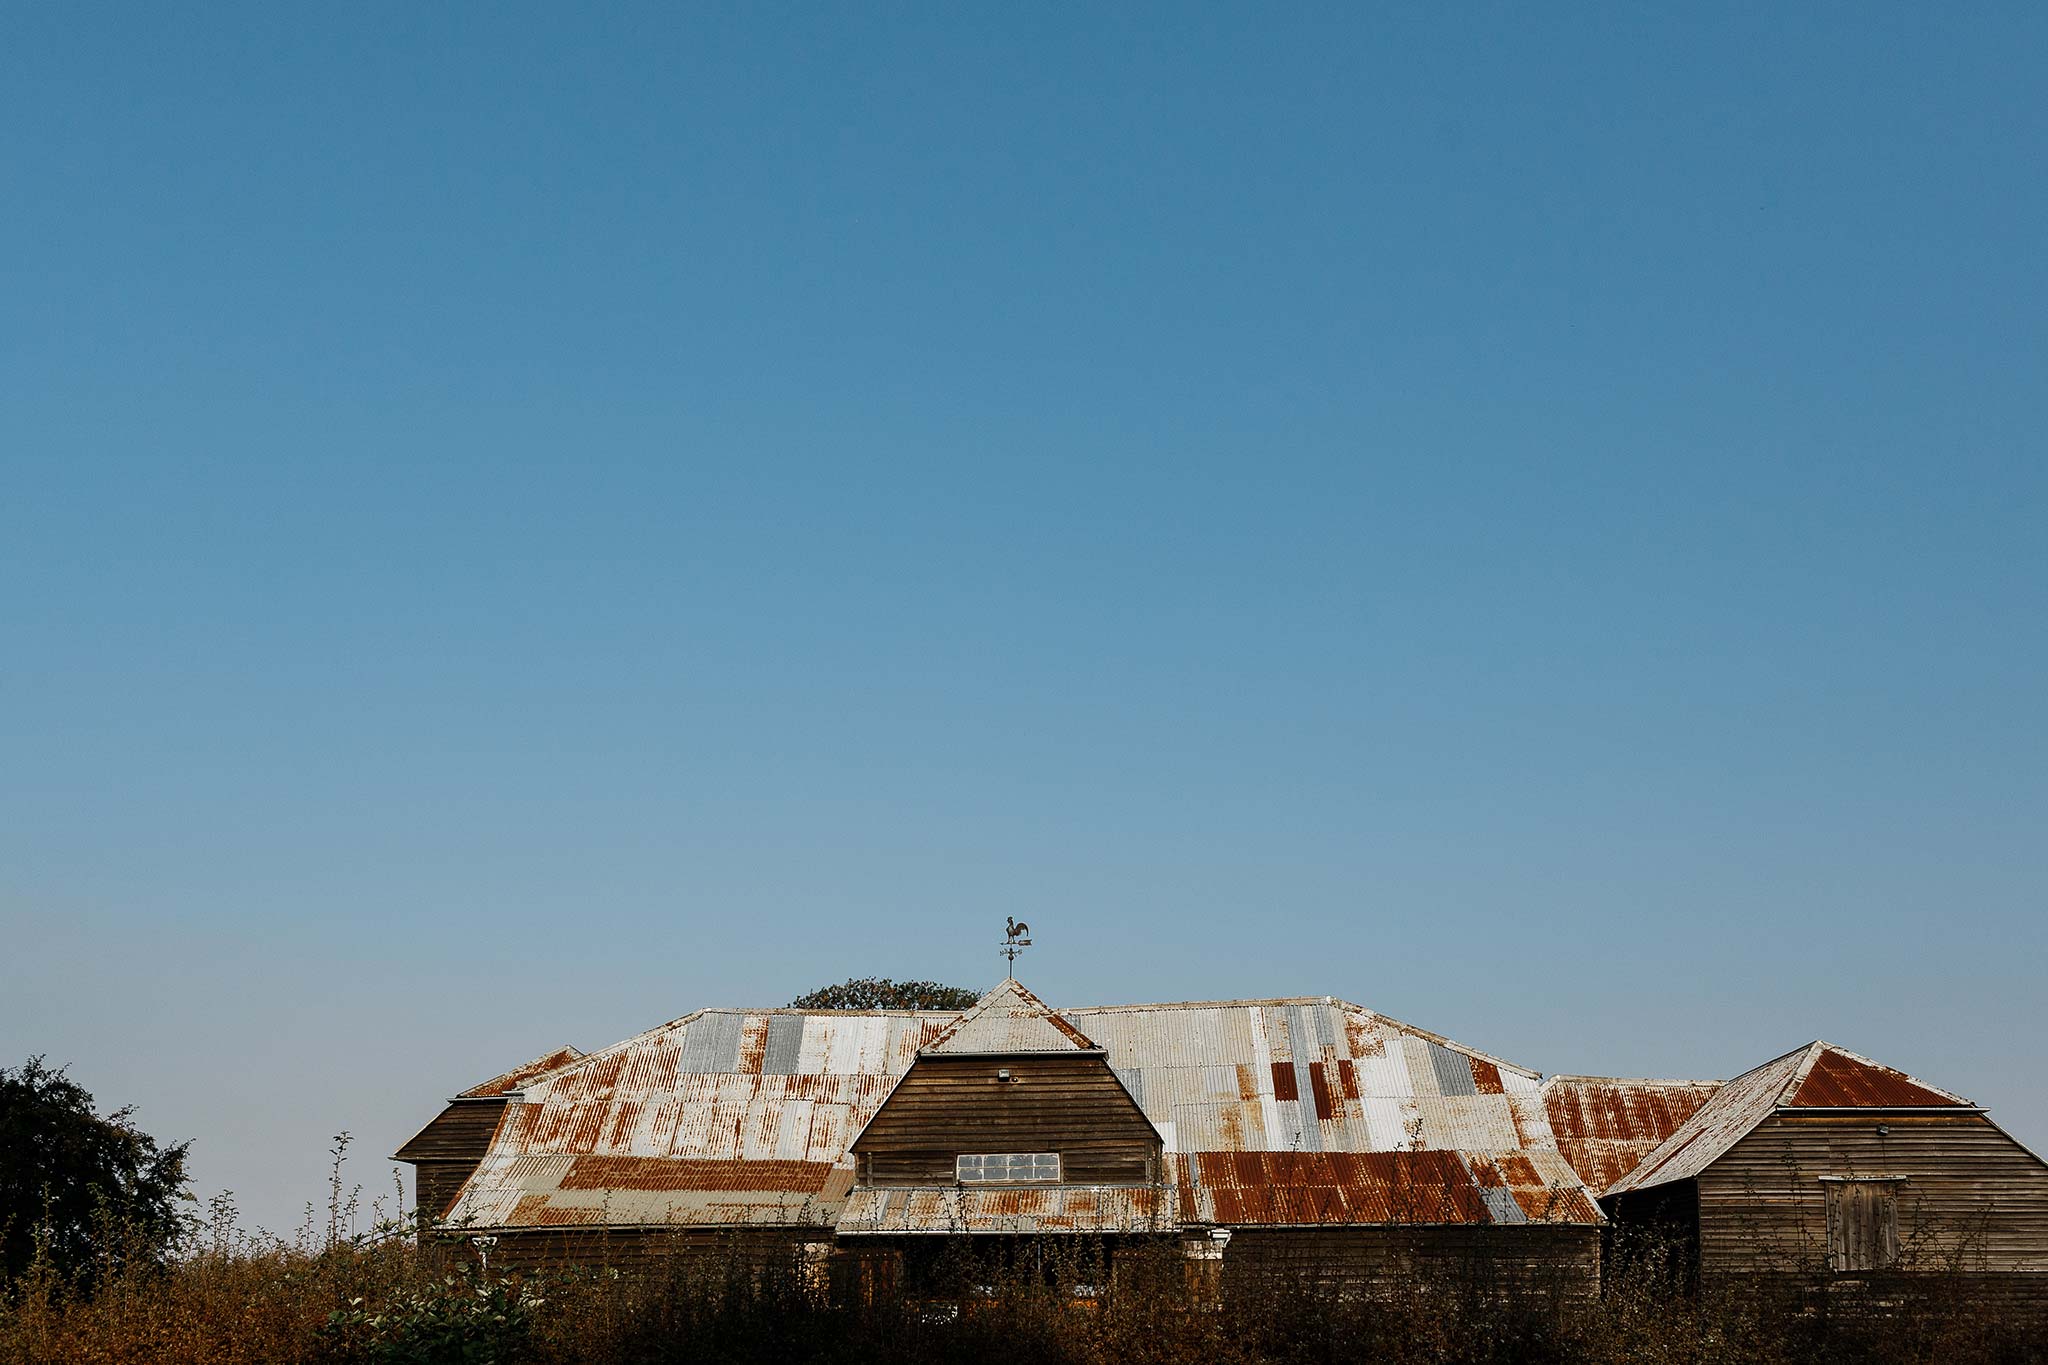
(517, 524)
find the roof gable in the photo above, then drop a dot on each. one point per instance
(1009, 1019)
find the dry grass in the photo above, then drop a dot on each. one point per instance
(333, 1298)
(272, 1304)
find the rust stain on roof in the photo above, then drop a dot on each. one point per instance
(1606, 1125)
(1319, 1087)
(1420, 1187)
(1838, 1079)
(665, 1173)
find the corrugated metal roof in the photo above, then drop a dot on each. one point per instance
(1836, 1078)
(520, 1075)
(1819, 1075)
(755, 1102)
(1606, 1125)
(1009, 1019)
(1289, 1078)
(1029, 1209)
(1314, 1075)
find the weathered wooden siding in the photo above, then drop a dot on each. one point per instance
(460, 1132)
(945, 1106)
(446, 1151)
(1973, 1201)
(1560, 1261)
(652, 1253)
(436, 1183)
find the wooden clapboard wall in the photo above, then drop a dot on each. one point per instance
(1070, 1104)
(1971, 1200)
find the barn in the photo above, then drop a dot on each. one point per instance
(1825, 1172)
(1260, 1137)
(1302, 1136)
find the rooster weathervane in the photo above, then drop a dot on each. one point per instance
(1016, 938)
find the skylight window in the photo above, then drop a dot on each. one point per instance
(1008, 1168)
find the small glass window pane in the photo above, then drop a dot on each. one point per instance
(1006, 1167)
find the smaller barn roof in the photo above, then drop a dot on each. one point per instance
(1606, 1125)
(1008, 1019)
(1817, 1076)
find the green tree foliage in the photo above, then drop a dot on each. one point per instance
(880, 993)
(88, 1193)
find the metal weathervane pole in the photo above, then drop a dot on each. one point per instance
(1015, 941)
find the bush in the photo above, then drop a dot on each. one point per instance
(464, 1319)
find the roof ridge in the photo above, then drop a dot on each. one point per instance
(807, 1011)
(1628, 1080)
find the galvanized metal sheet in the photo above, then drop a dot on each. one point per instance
(784, 1044)
(1453, 1072)
(712, 1043)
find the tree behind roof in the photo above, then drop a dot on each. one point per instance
(92, 1191)
(880, 993)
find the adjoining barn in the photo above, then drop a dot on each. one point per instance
(1272, 1136)
(1822, 1170)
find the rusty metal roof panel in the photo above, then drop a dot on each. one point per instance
(1606, 1125)
(1836, 1078)
(1022, 1210)
(1420, 1187)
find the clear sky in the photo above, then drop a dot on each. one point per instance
(516, 524)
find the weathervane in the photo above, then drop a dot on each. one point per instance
(1015, 941)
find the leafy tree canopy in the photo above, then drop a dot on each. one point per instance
(94, 1190)
(880, 993)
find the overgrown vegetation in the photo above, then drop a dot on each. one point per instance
(331, 1295)
(379, 1301)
